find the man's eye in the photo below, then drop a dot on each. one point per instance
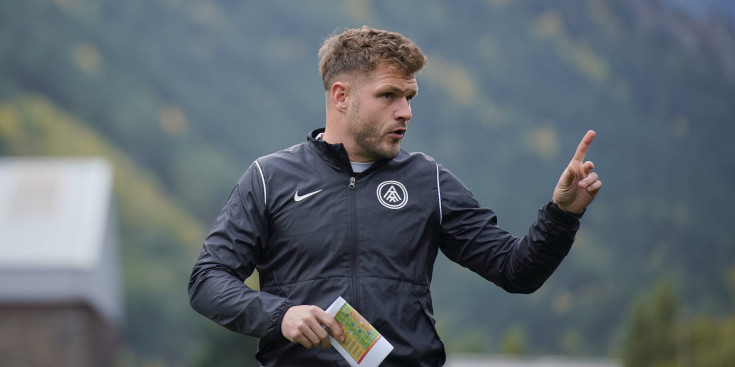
(387, 95)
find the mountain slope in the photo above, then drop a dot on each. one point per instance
(189, 93)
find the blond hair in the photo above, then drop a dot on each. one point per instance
(364, 49)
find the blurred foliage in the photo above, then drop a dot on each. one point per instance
(182, 95)
(225, 348)
(652, 334)
(514, 344)
(657, 337)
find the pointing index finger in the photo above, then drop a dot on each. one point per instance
(584, 145)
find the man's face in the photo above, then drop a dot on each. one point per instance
(379, 113)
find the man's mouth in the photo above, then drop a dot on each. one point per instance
(398, 133)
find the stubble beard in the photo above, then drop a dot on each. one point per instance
(367, 137)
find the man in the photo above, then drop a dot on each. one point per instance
(348, 213)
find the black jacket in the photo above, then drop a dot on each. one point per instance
(314, 230)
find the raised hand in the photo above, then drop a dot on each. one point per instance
(578, 185)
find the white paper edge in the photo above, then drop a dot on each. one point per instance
(374, 357)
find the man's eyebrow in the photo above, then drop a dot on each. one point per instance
(395, 89)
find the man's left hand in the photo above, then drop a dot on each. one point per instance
(578, 185)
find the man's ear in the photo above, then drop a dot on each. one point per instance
(339, 93)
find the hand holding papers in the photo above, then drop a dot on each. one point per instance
(363, 345)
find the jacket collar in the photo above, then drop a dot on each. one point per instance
(335, 154)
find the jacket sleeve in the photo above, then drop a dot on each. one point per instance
(471, 237)
(229, 255)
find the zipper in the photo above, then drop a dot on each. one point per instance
(353, 245)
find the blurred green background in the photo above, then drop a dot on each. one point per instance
(182, 95)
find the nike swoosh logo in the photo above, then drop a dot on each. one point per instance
(298, 197)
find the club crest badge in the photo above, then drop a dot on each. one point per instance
(392, 194)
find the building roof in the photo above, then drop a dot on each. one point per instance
(53, 211)
(57, 232)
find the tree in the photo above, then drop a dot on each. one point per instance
(651, 338)
(655, 338)
(514, 342)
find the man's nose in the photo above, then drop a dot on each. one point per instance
(404, 110)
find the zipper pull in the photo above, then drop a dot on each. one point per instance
(352, 182)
